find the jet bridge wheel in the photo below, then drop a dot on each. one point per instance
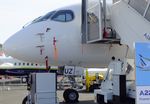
(70, 96)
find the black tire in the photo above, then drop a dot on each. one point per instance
(25, 100)
(70, 96)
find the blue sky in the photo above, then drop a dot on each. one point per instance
(16, 13)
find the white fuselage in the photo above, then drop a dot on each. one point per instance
(61, 43)
(31, 46)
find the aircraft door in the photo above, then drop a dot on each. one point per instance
(91, 21)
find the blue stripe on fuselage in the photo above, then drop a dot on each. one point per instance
(20, 72)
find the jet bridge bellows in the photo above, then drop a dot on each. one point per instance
(96, 26)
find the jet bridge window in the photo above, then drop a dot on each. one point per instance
(63, 16)
(139, 5)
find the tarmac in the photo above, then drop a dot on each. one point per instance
(15, 95)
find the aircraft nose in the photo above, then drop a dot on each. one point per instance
(23, 45)
(10, 46)
(15, 45)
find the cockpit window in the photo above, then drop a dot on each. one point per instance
(43, 18)
(63, 16)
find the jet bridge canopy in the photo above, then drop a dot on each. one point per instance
(96, 27)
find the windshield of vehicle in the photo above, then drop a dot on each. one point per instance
(43, 18)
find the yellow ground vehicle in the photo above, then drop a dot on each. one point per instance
(93, 79)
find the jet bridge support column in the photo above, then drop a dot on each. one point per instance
(113, 88)
(119, 84)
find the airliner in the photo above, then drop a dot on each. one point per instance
(57, 36)
(62, 36)
(85, 34)
(14, 67)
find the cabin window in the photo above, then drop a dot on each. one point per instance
(63, 16)
(19, 64)
(23, 63)
(15, 64)
(27, 64)
(147, 16)
(31, 64)
(139, 5)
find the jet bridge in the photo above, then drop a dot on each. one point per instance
(96, 25)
